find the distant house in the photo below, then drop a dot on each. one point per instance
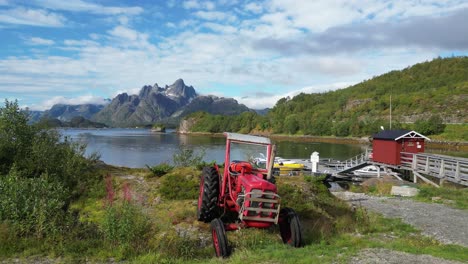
(387, 145)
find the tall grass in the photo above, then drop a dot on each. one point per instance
(125, 226)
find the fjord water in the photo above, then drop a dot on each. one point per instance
(137, 148)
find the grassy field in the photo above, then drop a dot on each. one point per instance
(453, 132)
(129, 215)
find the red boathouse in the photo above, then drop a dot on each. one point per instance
(387, 145)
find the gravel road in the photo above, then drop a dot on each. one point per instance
(446, 224)
(386, 256)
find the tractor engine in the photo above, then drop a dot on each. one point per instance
(256, 199)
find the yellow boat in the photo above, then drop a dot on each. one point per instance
(288, 166)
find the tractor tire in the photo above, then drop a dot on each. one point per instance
(290, 228)
(207, 209)
(220, 243)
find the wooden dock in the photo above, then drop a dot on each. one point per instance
(441, 167)
(444, 168)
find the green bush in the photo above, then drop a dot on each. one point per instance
(186, 157)
(203, 164)
(179, 187)
(40, 175)
(432, 126)
(161, 169)
(33, 206)
(126, 225)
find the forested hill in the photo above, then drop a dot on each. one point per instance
(438, 88)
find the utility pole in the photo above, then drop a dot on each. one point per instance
(390, 111)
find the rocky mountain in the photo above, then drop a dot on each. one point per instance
(213, 105)
(66, 113)
(35, 116)
(152, 104)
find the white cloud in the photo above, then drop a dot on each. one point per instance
(85, 99)
(72, 42)
(320, 15)
(31, 17)
(220, 28)
(129, 37)
(266, 100)
(129, 91)
(40, 41)
(253, 7)
(215, 15)
(188, 23)
(191, 4)
(170, 3)
(170, 25)
(94, 36)
(195, 4)
(83, 6)
(123, 20)
(124, 32)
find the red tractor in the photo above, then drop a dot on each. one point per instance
(246, 191)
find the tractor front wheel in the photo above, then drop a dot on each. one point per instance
(207, 208)
(219, 238)
(290, 228)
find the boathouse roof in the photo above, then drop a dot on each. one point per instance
(398, 134)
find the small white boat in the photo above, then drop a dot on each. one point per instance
(373, 171)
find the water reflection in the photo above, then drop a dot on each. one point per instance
(139, 147)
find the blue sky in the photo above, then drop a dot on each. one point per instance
(82, 51)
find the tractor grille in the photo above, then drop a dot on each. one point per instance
(260, 206)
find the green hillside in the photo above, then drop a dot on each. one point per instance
(437, 89)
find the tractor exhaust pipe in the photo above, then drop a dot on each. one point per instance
(271, 162)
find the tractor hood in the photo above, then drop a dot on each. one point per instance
(250, 181)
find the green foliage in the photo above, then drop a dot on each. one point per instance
(432, 126)
(39, 175)
(457, 197)
(33, 206)
(161, 169)
(159, 126)
(186, 157)
(126, 225)
(179, 187)
(203, 164)
(454, 132)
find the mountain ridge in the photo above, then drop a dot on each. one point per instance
(170, 103)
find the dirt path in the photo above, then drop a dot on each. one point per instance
(448, 225)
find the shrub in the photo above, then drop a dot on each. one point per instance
(43, 175)
(203, 164)
(125, 224)
(33, 206)
(186, 157)
(161, 169)
(432, 126)
(179, 187)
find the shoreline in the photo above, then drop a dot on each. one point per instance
(458, 146)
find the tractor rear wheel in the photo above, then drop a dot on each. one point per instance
(207, 208)
(290, 227)
(219, 238)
